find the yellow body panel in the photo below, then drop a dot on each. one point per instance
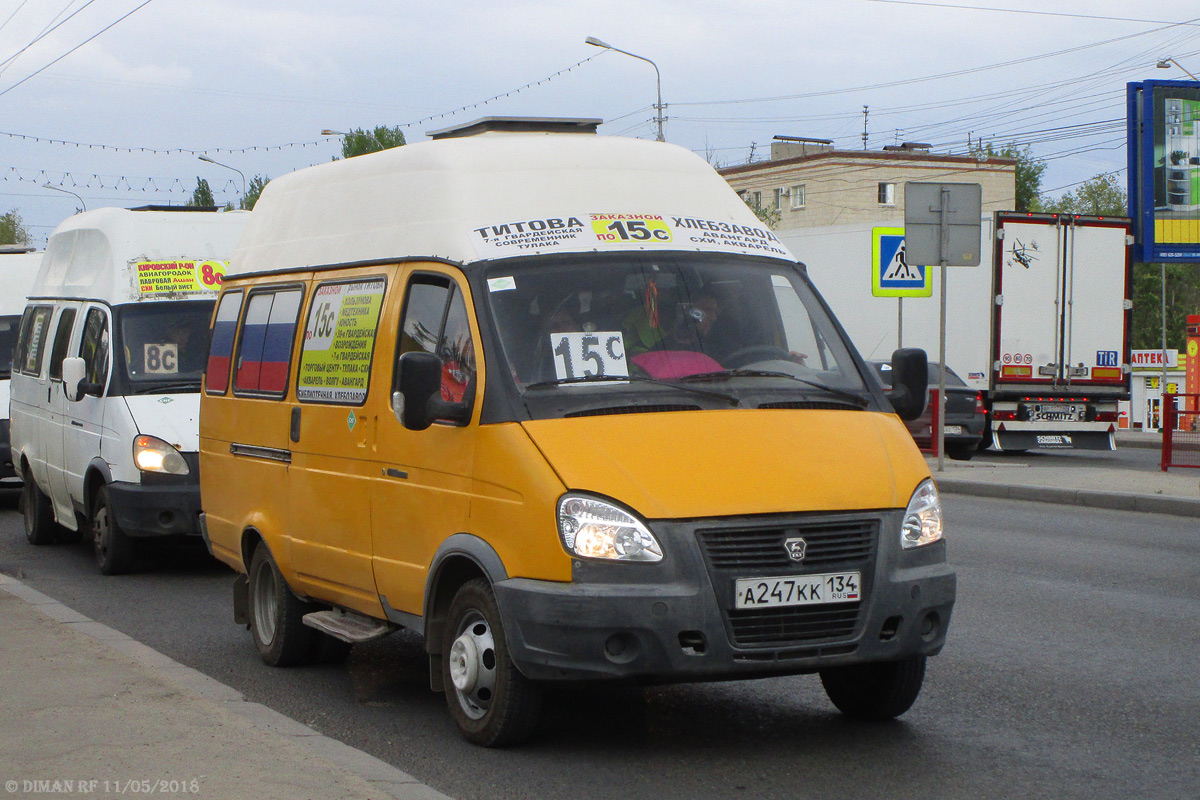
(718, 463)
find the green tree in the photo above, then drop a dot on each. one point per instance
(12, 228)
(769, 215)
(1102, 195)
(202, 196)
(1183, 298)
(257, 184)
(1029, 172)
(360, 141)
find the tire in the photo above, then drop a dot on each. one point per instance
(491, 702)
(876, 691)
(960, 452)
(39, 516)
(276, 615)
(113, 549)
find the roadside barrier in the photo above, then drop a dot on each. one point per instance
(1181, 431)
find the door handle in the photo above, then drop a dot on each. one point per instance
(392, 472)
(295, 432)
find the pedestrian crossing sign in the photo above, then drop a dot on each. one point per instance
(891, 274)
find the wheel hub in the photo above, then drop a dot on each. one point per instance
(473, 667)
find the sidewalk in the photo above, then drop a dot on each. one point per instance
(86, 710)
(1175, 492)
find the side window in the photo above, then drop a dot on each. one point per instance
(339, 342)
(32, 346)
(93, 347)
(62, 338)
(220, 350)
(436, 321)
(265, 352)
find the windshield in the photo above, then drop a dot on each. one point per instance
(165, 344)
(9, 327)
(729, 330)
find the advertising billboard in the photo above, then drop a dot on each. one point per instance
(1164, 169)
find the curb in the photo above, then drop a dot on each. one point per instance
(1117, 501)
(395, 783)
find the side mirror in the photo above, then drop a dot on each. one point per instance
(74, 370)
(910, 381)
(419, 399)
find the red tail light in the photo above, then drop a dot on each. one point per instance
(1009, 415)
(979, 409)
(1106, 416)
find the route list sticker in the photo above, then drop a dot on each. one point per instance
(335, 362)
(620, 231)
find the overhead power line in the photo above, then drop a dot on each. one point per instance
(956, 6)
(76, 47)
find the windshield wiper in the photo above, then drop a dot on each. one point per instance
(727, 398)
(857, 399)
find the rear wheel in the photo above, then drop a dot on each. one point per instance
(39, 517)
(276, 615)
(492, 703)
(960, 452)
(113, 549)
(875, 691)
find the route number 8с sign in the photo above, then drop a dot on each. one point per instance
(583, 355)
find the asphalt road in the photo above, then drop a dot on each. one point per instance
(1070, 672)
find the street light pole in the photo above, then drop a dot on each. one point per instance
(658, 108)
(344, 134)
(226, 166)
(1168, 61)
(49, 185)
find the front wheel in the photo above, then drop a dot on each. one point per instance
(492, 703)
(39, 517)
(876, 691)
(113, 549)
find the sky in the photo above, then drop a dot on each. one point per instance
(253, 83)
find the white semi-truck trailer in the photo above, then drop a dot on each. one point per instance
(1041, 327)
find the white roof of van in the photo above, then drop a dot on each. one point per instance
(498, 195)
(118, 255)
(17, 272)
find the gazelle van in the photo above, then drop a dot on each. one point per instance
(563, 406)
(18, 268)
(106, 376)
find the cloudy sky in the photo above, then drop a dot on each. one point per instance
(252, 83)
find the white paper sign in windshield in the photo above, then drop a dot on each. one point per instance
(614, 231)
(583, 355)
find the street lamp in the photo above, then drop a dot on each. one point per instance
(344, 134)
(48, 185)
(592, 40)
(1168, 61)
(226, 166)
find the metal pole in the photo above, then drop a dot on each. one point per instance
(944, 249)
(899, 322)
(1162, 381)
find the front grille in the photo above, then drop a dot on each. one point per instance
(757, 549)
(843, 543)
(781, 626)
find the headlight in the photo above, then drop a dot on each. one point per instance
(923, 517)
(592, 528)
(151, 454)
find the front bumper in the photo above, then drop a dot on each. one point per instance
(675, 621)
(145, 511)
